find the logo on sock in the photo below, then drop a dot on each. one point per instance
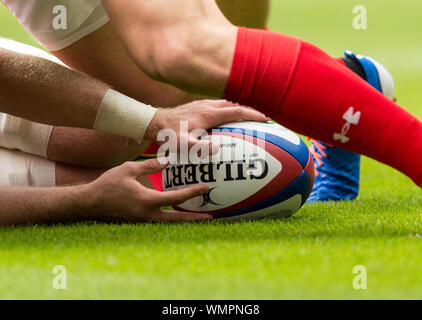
(351, 117)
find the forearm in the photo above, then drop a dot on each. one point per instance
(82, 147)
(45, 92)
(45, 205)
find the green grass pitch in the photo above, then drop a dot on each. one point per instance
(309, 256)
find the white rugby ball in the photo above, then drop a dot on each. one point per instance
(261, 170)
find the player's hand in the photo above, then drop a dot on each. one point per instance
(118, 196)
(203, 114)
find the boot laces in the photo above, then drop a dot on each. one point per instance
(318, 153)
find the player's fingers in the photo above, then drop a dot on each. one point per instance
(222, 104)
(179, 196)
(137, 169)
(176, 216)
(239, 113)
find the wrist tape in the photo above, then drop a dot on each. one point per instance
(20, 134)
(19, 169)
(123, 116)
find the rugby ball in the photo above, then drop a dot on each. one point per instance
(261, 170)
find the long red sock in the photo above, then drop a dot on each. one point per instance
(304, 89)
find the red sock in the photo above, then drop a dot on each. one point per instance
(304, 89)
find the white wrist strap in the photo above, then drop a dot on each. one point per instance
(123, 116)
(20, 134)
(20, 169)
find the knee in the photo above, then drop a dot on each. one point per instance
(172, 52)
(198, 58)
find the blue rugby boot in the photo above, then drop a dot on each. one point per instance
(337, 171)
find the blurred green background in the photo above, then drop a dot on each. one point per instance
(309, 256)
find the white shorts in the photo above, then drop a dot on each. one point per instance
(38, 18)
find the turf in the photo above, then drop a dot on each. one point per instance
(309, 256)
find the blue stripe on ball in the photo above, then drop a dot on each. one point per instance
(299, 152)
(301, 185)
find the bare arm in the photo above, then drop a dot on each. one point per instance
(44, 205)
(45, 92)
(116, 196)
